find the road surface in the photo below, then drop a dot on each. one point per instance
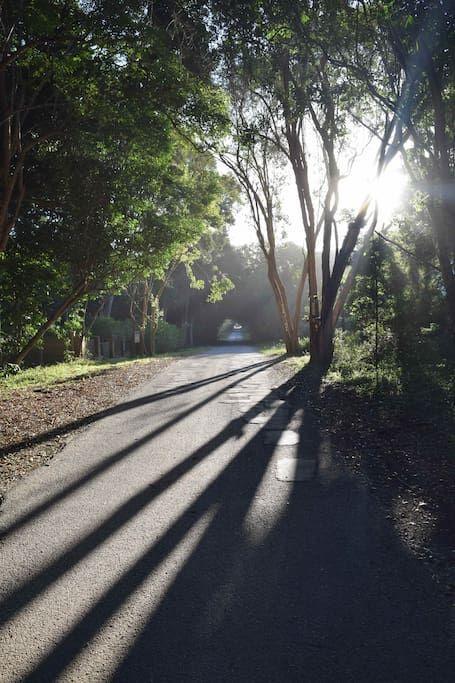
(170, 543)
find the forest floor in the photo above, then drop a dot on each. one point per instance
(404, 448)
(41, 408)
(407, 457)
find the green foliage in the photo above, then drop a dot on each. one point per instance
(397, 339)
(250, 300)
(168, 337)
(107, 327)
(220, 285)
(127, 227)
(113, 190)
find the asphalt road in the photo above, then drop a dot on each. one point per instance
(161, 546)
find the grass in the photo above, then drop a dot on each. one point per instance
(48, 375)
(295, 363)
(273, 349)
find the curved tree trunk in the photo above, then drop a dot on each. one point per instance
(76, 294)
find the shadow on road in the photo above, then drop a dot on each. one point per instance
(113, 459)
(319, 590)
(127, 405)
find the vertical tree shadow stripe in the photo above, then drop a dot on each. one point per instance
(75, 640)
(112, 460)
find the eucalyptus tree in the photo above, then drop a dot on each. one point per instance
(281, 50)
(403, 52)
(259, 168)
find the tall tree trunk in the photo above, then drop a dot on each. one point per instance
(290, 332)
(299, 165)
(299, 296)
(67, 303)
(442, 225)
(441, 204)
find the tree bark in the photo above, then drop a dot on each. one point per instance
(299, 165)
(76, 294)
(441, 203)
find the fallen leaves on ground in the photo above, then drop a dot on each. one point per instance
(29, 414)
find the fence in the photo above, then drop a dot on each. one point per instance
(116, 346)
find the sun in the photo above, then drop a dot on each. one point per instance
(388, 190)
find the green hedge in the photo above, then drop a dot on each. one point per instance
(107, 327)
(168, 337)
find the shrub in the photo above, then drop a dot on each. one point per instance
(107, 327)
(168, 337)
(9, 369)
(304, 344)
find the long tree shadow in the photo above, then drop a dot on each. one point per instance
(124, 406)
(314, 589)
(26, 592)
(325, 592)
(116, 457)
(246, 469)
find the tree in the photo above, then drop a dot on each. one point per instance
(251, 301)
(305, 98)
(92, 96)
(126, 71)
(129, 228)
(402, 54)
(254, 161)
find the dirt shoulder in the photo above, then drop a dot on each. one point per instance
(406, 457)
(35, 423)
(403, 451)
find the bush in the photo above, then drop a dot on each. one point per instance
(107, 327)
(304, 344)
(9, 369)
(168, 337)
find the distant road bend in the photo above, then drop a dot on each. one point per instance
(169, 542)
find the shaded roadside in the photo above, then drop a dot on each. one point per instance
(403, 448)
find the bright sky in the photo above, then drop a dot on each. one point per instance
(353, 190)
